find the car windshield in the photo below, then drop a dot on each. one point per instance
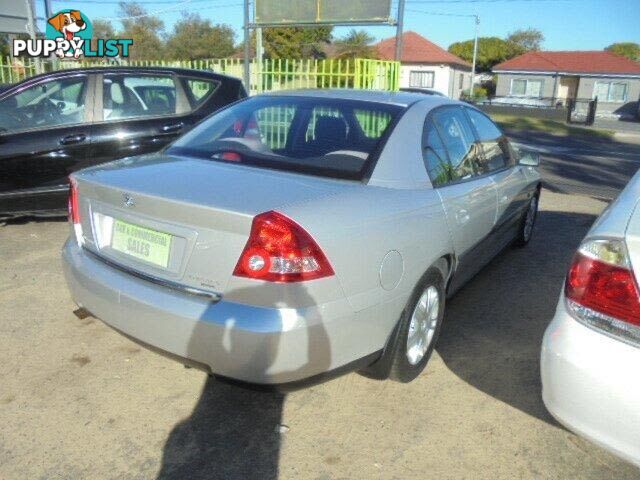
(318, 136)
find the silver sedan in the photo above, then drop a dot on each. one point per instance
(591, 349)
(293, 236)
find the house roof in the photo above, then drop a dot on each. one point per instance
(417, 49)
(572, 62)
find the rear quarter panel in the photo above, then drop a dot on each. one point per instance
(361, 230)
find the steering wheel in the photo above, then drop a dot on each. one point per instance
(47, 111)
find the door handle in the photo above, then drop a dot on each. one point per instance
(72, 139)
(172, 128)
(462, 216)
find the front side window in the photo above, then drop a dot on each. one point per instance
(130, 96)
(615, 92)
(459, 142)
(494, 145)
(318, 136)
(421, 79)
(521, 87)
(46, 105)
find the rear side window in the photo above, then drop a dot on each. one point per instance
(318, 136)
(372, 124)
(494, 145)
(459, 142)
(131, 96)
(200, 90)
(435, 157)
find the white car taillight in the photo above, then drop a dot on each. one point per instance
(280, 250)
(601, 289)
(74, 210)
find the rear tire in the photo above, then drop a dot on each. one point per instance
(418, 329)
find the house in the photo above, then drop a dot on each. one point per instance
(426, 65)
(552, 78)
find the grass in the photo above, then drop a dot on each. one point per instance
(518, 123)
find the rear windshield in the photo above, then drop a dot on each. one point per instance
(327, 137)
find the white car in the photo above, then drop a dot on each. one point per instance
(590, 362)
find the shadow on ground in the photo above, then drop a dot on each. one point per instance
(493, 327)
(233, 432)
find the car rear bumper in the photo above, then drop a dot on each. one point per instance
(258, 345)
(590, 384)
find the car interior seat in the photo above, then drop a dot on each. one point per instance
(330, 134)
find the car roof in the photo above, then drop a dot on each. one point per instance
(404, 99)
(127, 69)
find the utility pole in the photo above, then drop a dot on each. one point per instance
(475, 54)
(31, 26)
(48, 11)
(399, 32)
(259, 55)
(247, 71)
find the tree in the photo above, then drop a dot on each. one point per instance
(528, 39)
(194, 37)
(145, 30)
(630, 50)
(102, 29)
(295, 42)
(356, 44)
(491, 51)
(5, 49)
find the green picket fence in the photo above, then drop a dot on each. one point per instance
(266, 75)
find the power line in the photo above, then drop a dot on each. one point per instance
(117, 2)
(441, 14)
(150, 14)
(451, 2)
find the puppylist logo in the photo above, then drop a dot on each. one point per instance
(68, 35)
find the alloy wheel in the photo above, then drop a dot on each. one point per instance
(424, 321)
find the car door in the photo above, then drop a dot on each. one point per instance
(451, 154)
(513, 188)
(137, 113)
(45, 134)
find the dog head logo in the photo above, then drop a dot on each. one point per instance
(68, 24)
(70, 28)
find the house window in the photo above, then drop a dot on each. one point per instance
(421, 79)
(461, 81)
(526, 88)
(615, 92)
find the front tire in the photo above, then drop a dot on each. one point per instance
(418, 329)
(528, 222)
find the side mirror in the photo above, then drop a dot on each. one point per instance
(529, 158)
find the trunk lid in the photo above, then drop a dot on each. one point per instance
(182, 219)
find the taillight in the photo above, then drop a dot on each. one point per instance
(280, 250)
(601, 288)
(74, 209)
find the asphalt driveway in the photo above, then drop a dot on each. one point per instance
(77, 400)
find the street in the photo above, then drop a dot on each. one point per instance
(78, 400)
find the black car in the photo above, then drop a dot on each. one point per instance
(56, 123)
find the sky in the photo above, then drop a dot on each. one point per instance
(566, 24)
